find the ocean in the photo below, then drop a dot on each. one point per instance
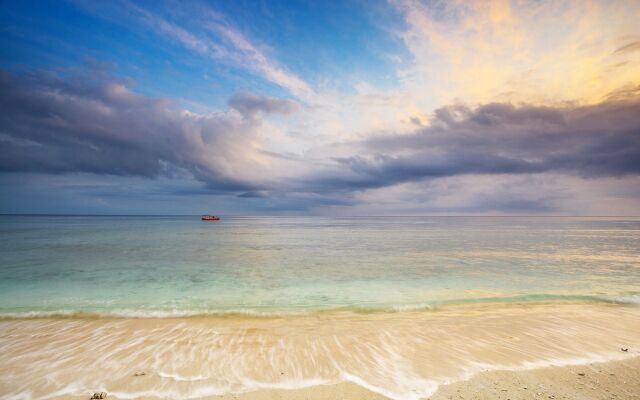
(147, 265)
(173, 307)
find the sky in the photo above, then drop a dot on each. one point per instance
(334, 108)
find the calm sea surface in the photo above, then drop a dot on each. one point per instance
(160, 266)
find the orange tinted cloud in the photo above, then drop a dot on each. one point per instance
(535, 52)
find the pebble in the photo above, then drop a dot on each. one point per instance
(581, 373)
(99, 395)
(141, 373)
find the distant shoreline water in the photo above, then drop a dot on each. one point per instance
(179, 265)
(350, 217)
(629, 300)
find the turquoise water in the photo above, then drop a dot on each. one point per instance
(159, 266)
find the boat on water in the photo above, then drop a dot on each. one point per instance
(210, 218)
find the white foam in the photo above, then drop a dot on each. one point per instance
(420, 388)
(180, 378)
(166, 394)
(404, 384)
(195, 393)
(177, 313)
(142, 313)
(476, 367)
(412, 307)
(629, 299)
(415, 388)
(567, 361)
(38, 314)
(17, 396)
(69, 390)
(290, 384)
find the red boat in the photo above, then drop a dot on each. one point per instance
(210, 218)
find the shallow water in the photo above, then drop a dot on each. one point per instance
(168, 266)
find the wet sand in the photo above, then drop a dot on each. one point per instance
(610, 380)
(615, 380)
(473, 351)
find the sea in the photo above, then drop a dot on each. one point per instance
(180, 265)
(174, 307)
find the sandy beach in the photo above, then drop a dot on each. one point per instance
(508, 351)
(612, 380)
(609, 380)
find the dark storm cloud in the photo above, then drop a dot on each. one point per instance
(249, 104)
(589, 141)
(96, 124)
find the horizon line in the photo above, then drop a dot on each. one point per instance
(326, 216)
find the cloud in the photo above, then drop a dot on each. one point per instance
(249, 104)
(99, 125)
(256, 194)
(629, 47)
(495, 139)
(223, 42)
(255, 59)
(515, 51)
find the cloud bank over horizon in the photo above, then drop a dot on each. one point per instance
(268, 135)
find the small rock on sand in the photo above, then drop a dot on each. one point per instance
(140, 373)
(99, 395)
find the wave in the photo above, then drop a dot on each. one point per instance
(401, 357)
(626, 299)
(145, 313)
(412, 307)
(180, 378)
(422, 388)
(633, 299)
(407, 386)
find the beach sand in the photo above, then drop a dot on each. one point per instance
(515, 351)
(615, 380)
(610, 380)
